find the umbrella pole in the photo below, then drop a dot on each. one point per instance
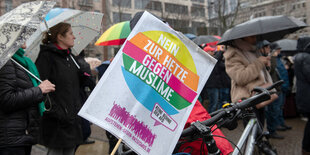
(116, 146)
(26, 70)
(47, 28)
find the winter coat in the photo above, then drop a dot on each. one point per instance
(61, 126)
(19, 115)
(214, 79)
(244, 74)
(274, 73)
(224, 78)
(218, 77)
(87, 83)
(302, 72)
(283, 73)
(199, 113)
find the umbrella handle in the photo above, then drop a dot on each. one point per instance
(26, 70)
(47, 28)
(50, 103)
(47, 96)
(76, 64)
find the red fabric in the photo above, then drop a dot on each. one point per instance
(208, 48)
(61, 48)
(201, 114)
(112, 42)
(218, 37)
(212, 43)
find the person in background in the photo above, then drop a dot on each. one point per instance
(264, 48)
(212, 85)
(225, 84)
(218, 85)
(302, 72)
(271, 112)
(285, 87)
(247, 69)
(289, 108)
(61, 130)
(87, 84)
(21, 94)
(103, 67)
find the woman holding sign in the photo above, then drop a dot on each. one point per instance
(61, 129)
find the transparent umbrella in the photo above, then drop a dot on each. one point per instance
(18, 25)
(85, 26)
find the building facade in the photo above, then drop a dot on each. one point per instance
(221, 15)
(188, 16)
(257, 8)
(182, 15)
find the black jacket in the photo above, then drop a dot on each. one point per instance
(302, 72)
(19, 115)
(87, 83)
(60, 125)
(219, 78)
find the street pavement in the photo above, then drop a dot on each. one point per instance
(291, 145)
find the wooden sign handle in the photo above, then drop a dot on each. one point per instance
(116, 146)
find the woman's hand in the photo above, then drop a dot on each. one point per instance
(265, 60)
(46, 87)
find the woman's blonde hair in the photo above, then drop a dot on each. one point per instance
(51, 36)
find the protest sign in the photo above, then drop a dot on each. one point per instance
(148, 92)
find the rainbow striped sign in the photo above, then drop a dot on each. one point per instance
(148, 92)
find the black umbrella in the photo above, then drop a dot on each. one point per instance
(287, 44)
(270, 28)
(137, 17)
(203, 39)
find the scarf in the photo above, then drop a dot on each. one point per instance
(250, 52)
(30, 66)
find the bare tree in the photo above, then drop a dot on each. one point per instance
(177, 16)
(121, 5)
(220, 16)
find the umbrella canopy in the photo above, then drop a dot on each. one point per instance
(18, 25)
(190, 36)
(270, 28)
(115, 35)
(287, 44)
(85, 26)
(204, 39)
(118, 33)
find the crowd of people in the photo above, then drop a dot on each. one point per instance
(248, 63)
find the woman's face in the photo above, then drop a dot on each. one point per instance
(68, 40)
(250, 39)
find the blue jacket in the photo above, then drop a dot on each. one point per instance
(283, 74)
